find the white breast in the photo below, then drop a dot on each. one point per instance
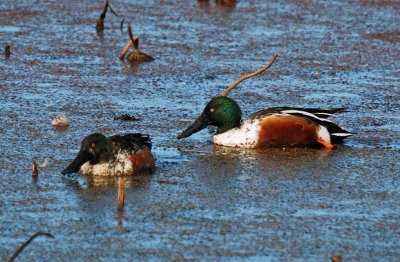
(121, 166)
(244, 136)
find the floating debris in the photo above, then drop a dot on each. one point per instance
(121, 194)
(45, 163)
(60, 121)
(7, 51)
(126, 117)
(336, 259)
(136, 54)
(21, 248)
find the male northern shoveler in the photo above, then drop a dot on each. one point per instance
(113, 156)
(277, 126)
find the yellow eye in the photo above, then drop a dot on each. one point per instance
(93, 144)
(212, 109)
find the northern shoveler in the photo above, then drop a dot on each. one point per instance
(113, 156)
(277, 126)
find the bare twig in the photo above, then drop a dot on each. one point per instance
(100, 20)
(7, 51)
(35, 169)
(126, 49)
(21, 248)
(120, 194)
(112, 11)
(136, 55)
(106, 5)
(246, 76)
(131, 36)
(122, 24)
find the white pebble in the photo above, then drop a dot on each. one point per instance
(60, 121)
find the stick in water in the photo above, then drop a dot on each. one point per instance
(100, 21)
(126, 49)
(35, 169)
(137, 55)
(121, 194)
(21, 248)
(246, 76)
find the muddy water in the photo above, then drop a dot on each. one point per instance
(203, 201)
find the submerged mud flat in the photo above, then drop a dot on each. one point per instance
(202, 201)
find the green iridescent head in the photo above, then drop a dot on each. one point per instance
(222, 112)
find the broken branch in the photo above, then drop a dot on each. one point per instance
(112, 11)
(131, 36)
(121, 193)
(19, 250)
(246, 76)
(100, 21)
(35, 169)
(103, 14)
(122, 25)
(126, 49)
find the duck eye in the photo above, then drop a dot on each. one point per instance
(212, 109)
(93, 144)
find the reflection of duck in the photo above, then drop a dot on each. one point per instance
(113, 156)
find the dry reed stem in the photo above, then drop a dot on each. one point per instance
(21, 248)
(120, 194)
(103, 14)
(112, 11)
(35, 169)
(100, 20)
(122, 24)
(246, 76)
(131, 36)
(136, 55)
(130, 43)
(126, 49)
(7, 52)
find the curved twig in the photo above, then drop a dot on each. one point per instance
(21, 248)
(112, 11)
(246, 76)
(122, 25)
